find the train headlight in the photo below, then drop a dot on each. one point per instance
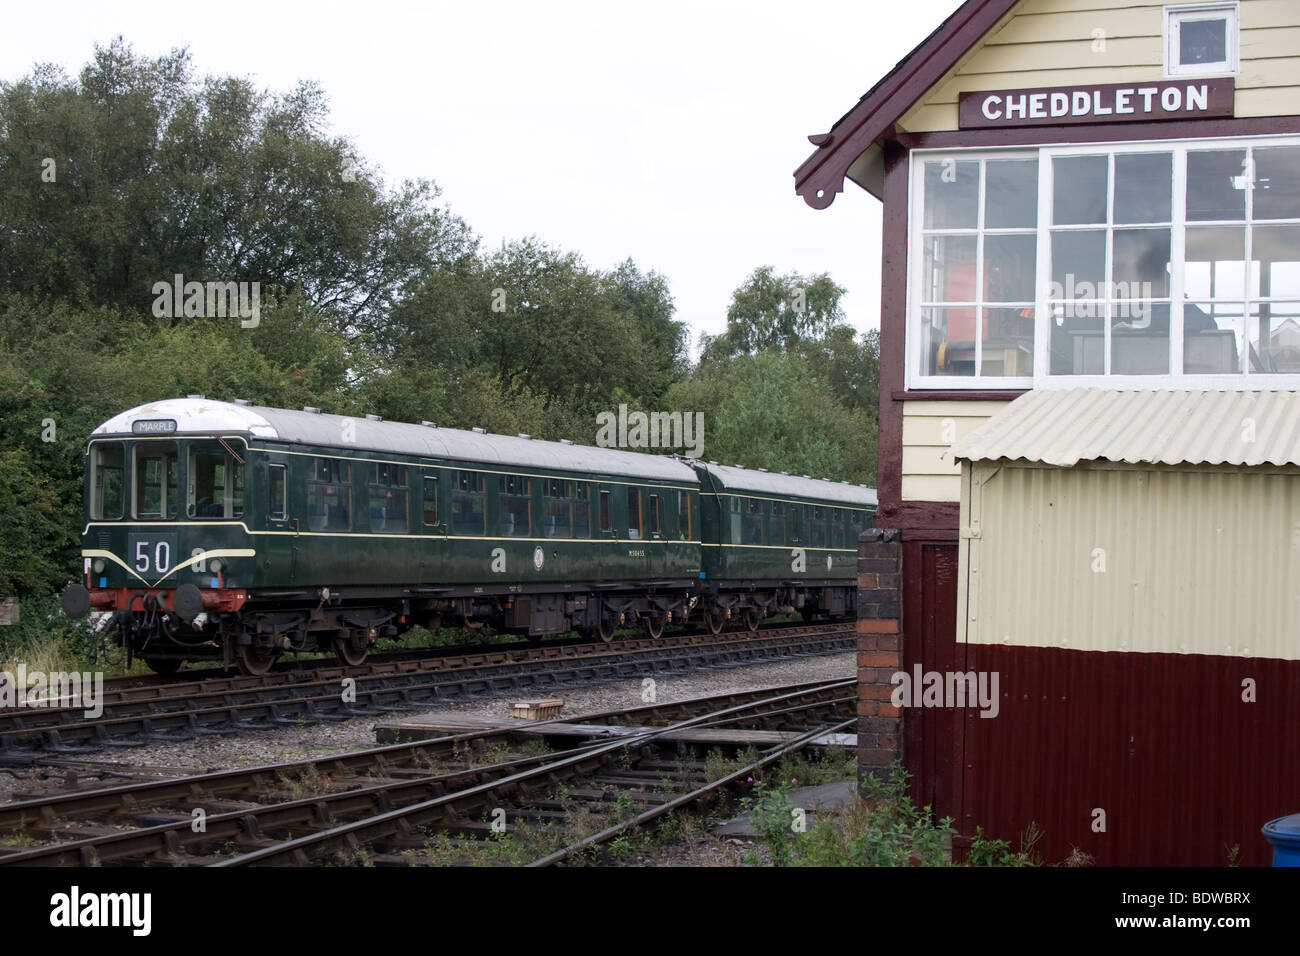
(98, 565)
(216, 565)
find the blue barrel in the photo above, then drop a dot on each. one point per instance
(1284, 834)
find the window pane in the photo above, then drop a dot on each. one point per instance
(684, 515)
(1010, 193)
(1277, 183)
(949, 269)
(388, 511)
(1008, 342)
(1141, 266)
(1203, 41)
(1078, 265)
(329, 507)
(1216, 187)
(430, 499)
(279, 504)
(948, 341)
(951, 194)
(1275, 338)
(1276, 250)
(1212, 335)
(1215, 259)
(1144, 187)
(634, 513)
(604, 511)
(106, 482)
(1079, 189)
(514, 516)
(654, 514)
(1139, 339)
(558, 522)
(1078, 338)
(1009, 267)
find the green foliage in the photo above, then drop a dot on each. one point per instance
(770, 811)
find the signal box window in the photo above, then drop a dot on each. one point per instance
(155, 480)
(468, 515)
(106, 481)
(388, 494)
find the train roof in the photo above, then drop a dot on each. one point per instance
(736, 478)
(195, 415)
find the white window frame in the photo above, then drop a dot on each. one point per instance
(1176, 15)
(1041, 379)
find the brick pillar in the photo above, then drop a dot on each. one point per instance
(880, 650)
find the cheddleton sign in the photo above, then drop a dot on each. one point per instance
(1106, 103)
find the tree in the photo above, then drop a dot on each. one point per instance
(769, 311)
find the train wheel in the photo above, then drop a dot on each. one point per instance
(606, 629)
(164, 666)
(715, 621)
(752, 618)
(349, 652)
(654, 626)
(254, 661)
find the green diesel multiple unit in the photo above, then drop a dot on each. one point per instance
(235, 532)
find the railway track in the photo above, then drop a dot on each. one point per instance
(135, 716)
(392, 804)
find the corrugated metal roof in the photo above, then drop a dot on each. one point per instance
(732, 477)
(1169, 427)
(195, 415)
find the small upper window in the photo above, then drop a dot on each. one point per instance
(1201, 39)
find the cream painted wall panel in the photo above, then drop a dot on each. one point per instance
(1264, 74)
(1196, 560)
(1048, 27)
(931, 488)
(930, 473)
(929, 460)
(1280, 101)
(1258, 14)
(1068, 55)
(1282, 43)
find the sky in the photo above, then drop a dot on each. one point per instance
(666, 132)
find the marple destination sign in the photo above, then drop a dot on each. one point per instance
(154, 426)
(1104, 103)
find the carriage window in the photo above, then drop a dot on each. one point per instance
(468, 516)
(329, 495)
(837, 527)
(387, 494)
(215, 481)
(684, 515)
(634, 513)
(155, 480)
(817, 527)
(514, 506)
(604, 511)
(735, 520)
(278, 506)
(558, 519)
(582, 510)
(753, 521)
(106, 481)
(654, 514)
(777, 525)
(430, 500)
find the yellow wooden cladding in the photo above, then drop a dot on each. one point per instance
(929, 430)
(1056, 43)
(1140, 558)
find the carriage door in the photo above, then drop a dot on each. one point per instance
(654, 531)
(283, 544)
(433, 526)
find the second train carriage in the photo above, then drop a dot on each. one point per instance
(229, 531)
